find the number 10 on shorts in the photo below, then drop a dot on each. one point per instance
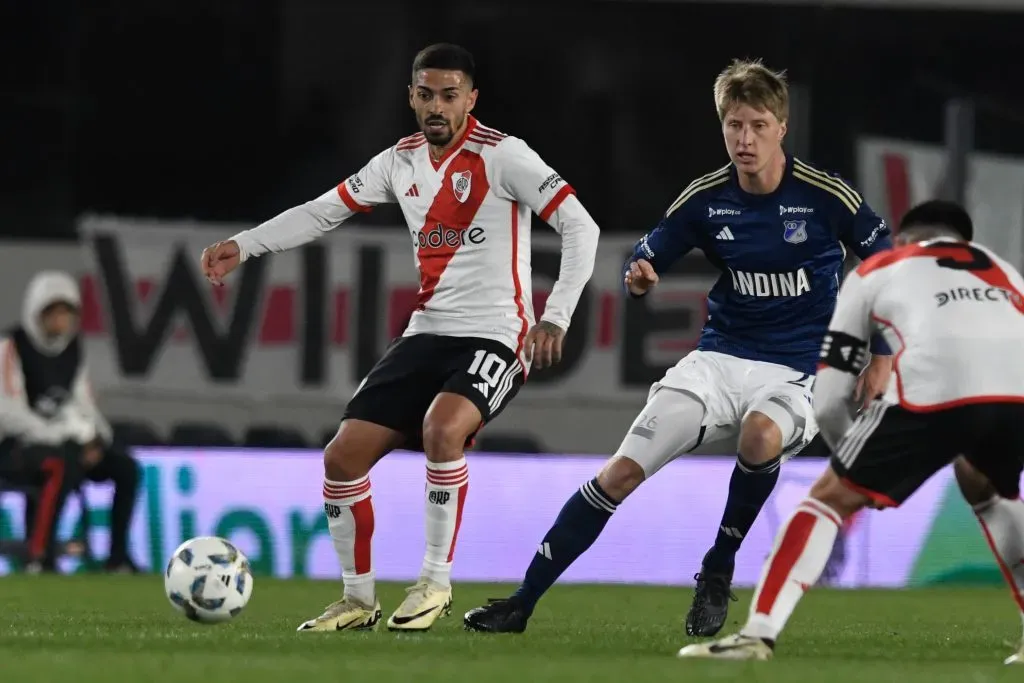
(488, 366)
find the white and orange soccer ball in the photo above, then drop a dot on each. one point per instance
(208, 580)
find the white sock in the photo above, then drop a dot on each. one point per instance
(447, 484)
(802, 549)
(1002, 522)
(349, 509)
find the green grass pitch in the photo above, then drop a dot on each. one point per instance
(98, 628)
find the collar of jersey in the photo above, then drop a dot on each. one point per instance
(470, 125)
(755, 198)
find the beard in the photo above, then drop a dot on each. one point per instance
(437, 135)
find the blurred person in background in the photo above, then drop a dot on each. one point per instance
(51, 431)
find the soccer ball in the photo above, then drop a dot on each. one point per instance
(208, 580)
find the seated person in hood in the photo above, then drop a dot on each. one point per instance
(51, 432)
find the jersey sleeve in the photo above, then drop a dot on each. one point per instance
(371, 186)
(865, 233)
(579, 250)
(522, 176)
(849, 333)
(673, 237)
(844, 353)
(306, 222)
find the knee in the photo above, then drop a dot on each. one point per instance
(339, 463)
(974, 486)
(620, 477)
(443, 439)
(760, 439)
(831, 491)
(356, 447)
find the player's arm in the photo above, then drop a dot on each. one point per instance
(671, 239)
(865, 233)
(306, 222)
(521, 175)
(844, 355)
(83, 403)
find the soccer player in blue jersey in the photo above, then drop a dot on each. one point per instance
(778, 229)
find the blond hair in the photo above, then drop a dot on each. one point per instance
(750, 82)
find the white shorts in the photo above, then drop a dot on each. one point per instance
(729, 388)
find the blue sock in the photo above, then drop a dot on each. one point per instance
(749, 489)
(576, 528)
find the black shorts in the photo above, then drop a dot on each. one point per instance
(890, 451)
(414, 370)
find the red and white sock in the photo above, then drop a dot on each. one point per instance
(447, 484)
(1002, 522)
(349, 509)
(801, 551)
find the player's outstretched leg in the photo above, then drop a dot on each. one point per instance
(670, 424)
(449, 423)
(577, 526)
(1002, 523)
(753, 479)
(802, 548)
(349, 507)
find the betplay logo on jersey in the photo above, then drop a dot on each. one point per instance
(712, 212)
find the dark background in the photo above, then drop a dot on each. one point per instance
(235, 110)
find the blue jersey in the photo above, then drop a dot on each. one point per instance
(780, 256)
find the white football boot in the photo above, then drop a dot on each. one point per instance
(736, 647)
(346, 614)
(1018, 656)
(425, 603)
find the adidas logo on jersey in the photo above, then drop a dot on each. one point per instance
(413, 191)
(484, 388)
(724, 234)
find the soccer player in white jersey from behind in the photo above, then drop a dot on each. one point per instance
(954, 313)
(467, 192)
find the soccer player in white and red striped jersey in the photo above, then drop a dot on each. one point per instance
(954, 313)
(467, 192)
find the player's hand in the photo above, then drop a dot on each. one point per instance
(543, 346)
(641, 277)
(873, 382)
(219, 259)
